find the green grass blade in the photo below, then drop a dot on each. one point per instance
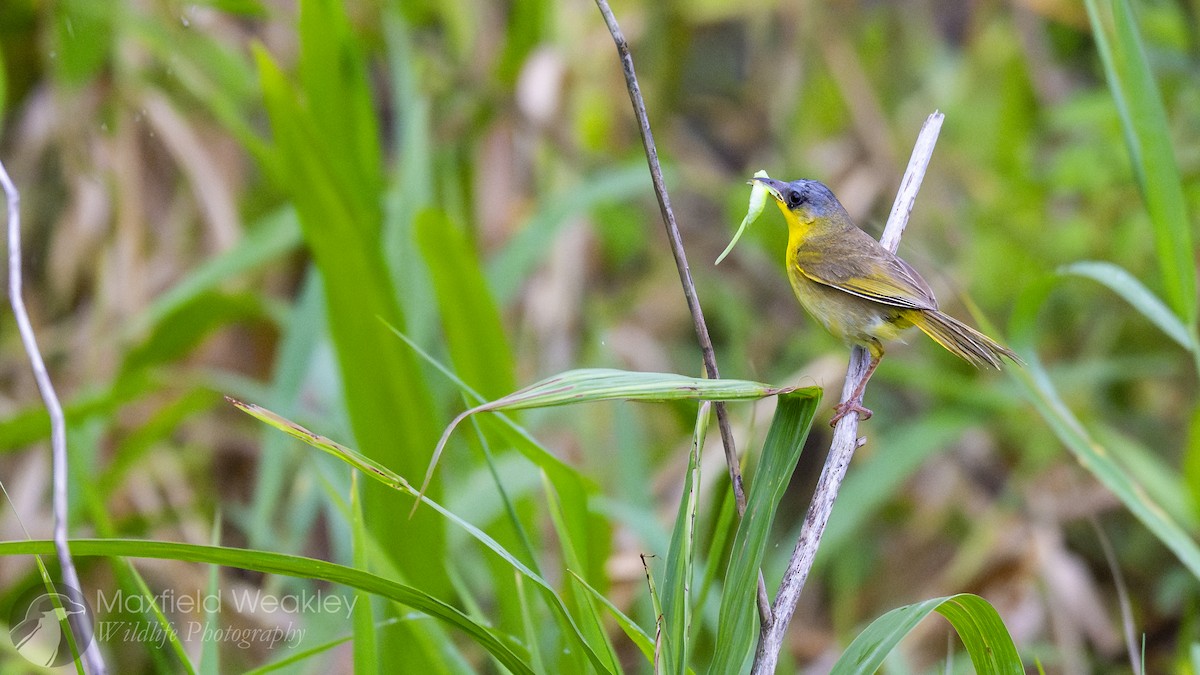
(1099, 462)
(520, 532)
(737, 627)
(592, 626)
(1136, 294)
(1095, 458)
(210, 649)
(391, 479)
(514, 433)
(535, 655)
(131, 451)
(723, 525)
(978, 625)
(677, 580)
(269, 562)
(293, 659)
(512, 533)
(383, 386)
(411, 185)
(32, 424)
(470, 319)
(588, 530)
(334, 79)
(608, 384)
(479, 348)
(130, 572)
(205, 74)
(1158, 474)
(189, 324)
(639, 637)
(366, 639)
(1147, 135)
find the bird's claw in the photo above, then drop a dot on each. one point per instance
(846, 407)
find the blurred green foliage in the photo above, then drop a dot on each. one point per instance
(248, 198)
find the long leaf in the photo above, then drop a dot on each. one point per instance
(366, 637)
(474, 335)
(737, 628)
(335, 190)
(587, 529)
(210, 650)
(608, 384)
(677, 580)
(470, 318)
(1095, 458)
(978, 625)
(391, 479)
(593, 629)
(279, 518)
(149, 602)
(639, 637)
(1136, 294)
(1147, 135)
(269, 562)
(1099, 462)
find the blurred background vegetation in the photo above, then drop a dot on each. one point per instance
(233, 197)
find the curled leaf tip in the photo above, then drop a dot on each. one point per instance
(437, 454)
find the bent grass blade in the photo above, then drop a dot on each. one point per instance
(608, 384)
(395, 481)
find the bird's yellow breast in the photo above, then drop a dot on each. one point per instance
(850, 318)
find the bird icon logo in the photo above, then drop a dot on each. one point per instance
(37, 629)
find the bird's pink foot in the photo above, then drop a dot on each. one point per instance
(846, 407)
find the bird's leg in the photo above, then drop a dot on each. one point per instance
(854, 403)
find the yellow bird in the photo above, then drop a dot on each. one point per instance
(860, 291)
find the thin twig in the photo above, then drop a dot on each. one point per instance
(685, 276)
(845, 434)
(80, 623)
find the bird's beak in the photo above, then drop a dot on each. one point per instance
(775, 187)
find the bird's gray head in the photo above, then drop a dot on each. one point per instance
(806, 200)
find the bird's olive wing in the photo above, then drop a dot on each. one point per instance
(867, 270)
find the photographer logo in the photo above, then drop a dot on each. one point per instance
(37, 624)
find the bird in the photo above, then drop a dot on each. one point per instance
(860, 291)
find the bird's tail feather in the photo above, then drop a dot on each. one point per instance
(960, 339)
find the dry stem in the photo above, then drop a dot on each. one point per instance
(80, 623)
